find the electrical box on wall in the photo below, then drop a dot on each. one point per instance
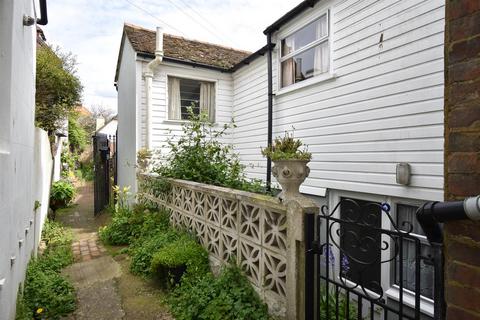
(403, 173)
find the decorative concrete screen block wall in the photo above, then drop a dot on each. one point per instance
(234, 226)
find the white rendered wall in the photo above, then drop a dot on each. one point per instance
(384, 105)
(42, 181)
(18, 163)
(127, 115)
(57, 162)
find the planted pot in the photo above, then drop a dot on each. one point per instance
(290, 174)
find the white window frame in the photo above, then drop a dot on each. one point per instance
(189, 77)
(391, 290)
(315, 79)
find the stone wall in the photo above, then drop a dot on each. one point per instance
(462, 155)
(234, 226)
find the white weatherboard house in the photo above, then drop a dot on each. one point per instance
(362, 83)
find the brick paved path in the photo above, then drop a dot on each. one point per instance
(87, 249)
(104, 287)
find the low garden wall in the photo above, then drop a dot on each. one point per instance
(234, 226)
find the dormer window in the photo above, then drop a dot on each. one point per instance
(306, 52)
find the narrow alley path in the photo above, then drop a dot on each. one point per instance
(105, 288)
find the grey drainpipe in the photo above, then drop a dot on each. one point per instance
(430, 216)
(270, 108)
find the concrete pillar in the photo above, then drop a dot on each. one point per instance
(297, 210)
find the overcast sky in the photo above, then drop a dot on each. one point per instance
(92, 30)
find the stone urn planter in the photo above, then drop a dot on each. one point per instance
(290, 174)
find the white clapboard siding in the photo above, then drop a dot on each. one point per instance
(383, 106)
(162, 129)
(250, 106)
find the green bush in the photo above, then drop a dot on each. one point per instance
(198, 155)
(85, 171)
(46, 294)
(144, 248)
(77, 136)
(127, 224)
(61, 194)
(47, 290)
(54, 234)
(182, 256)
(229, 296)
(121, 229)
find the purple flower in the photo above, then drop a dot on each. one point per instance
(345, 264)
(328, 252)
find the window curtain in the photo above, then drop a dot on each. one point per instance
(207, 99)
(174, 99)
(322, 51)
(288, 66)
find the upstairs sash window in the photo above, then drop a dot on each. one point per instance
(185, 93)
(306, 53)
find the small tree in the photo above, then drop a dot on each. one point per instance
(58, 89)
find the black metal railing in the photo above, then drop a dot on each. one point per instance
(364, 262)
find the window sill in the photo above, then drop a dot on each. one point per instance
(306, 83)
(170, 121)
(426, 304)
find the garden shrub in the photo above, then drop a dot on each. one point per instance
(143, 249)
(47, 291)
(85, 170)
(77, 136)
(121, 229)
(46, 294)
(62, 194)
(129, 223)
(198, 155)
(229, 296)
(54, 234)
(182, 256)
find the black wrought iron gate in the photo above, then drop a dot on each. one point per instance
(101, 157)
(357, 268)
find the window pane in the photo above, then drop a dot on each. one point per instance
(360, 243)
(406, 213)
(189, 97)
(306, 65)
(305, 36)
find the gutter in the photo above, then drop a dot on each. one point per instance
(151, 66)
(290, 15)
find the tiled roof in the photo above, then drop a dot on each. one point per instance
(179, 48)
